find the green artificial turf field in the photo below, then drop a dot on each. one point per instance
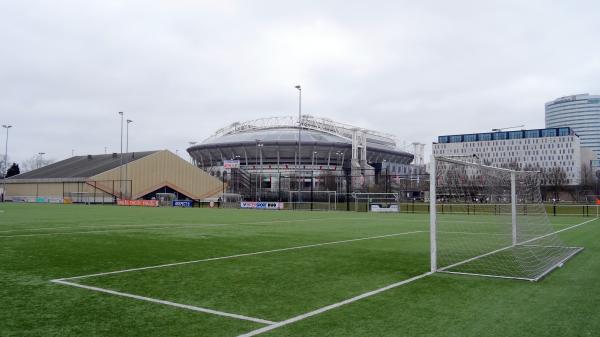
(212, 272)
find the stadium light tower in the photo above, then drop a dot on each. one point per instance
(5, 162)
(299, 134)
(192, 158)
(256, 160)
(121, 166)
(41, 159)
(126, 163)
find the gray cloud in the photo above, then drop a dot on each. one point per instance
(182, 69)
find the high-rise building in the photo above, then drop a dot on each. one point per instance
(582, 114)
(537, 149)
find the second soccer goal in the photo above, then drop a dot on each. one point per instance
(490, 221)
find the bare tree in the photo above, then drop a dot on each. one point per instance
(2, 168)
(34, 162)
(556, 177)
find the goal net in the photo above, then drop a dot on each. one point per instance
(376, 202)
(84, 197)
(230, 200)
(313, 200)
(165, 199)
(490, 221)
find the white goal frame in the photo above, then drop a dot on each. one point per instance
(433, 222)
(83, 197)
(331, 199)
(367, 196)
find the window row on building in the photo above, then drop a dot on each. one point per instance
(504, 135)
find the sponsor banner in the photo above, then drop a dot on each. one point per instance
(145, 203)
(183, 203)
(231, 164)
(380, 208)
(261, 205)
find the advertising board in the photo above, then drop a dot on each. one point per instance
(144, 203)
(183, 203)
(261, 205)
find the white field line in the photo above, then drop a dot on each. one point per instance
(488, 275)
(354, 299)
(103, 227)
(520, 243)
(146, 225)
(239, 255)
(473, 233)
(294, 220)
(332, 306)
(173, 304)
(99, 231)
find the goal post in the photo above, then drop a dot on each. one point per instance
(433, 215)
(313, 200)
(376, 202)
(490, 221)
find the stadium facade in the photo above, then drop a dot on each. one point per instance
(311, 147)
(579, 112)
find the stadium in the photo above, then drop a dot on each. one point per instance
(268, 148)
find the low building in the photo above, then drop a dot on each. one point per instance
(106, 177)
(556, 150)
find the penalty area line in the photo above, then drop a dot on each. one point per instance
(241, 255)
(106, 228)
(169, 303)
(332, 306)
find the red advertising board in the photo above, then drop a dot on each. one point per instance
(145, 203)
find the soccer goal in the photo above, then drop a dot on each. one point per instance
(313, 200)
(376, 202)
(230, 200)
(83, 197)
(490, 221)
(165, 199)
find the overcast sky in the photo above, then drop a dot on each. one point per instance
(183, 68)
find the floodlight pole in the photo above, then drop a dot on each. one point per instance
(299, 136)
(40, 159)
(5, 163)
(256, 169)
(127, 162)
(260, 145)
(121, 165)
(432, 214)
(192, 161)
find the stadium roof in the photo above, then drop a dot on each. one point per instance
(283, 135)
(82, 166)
